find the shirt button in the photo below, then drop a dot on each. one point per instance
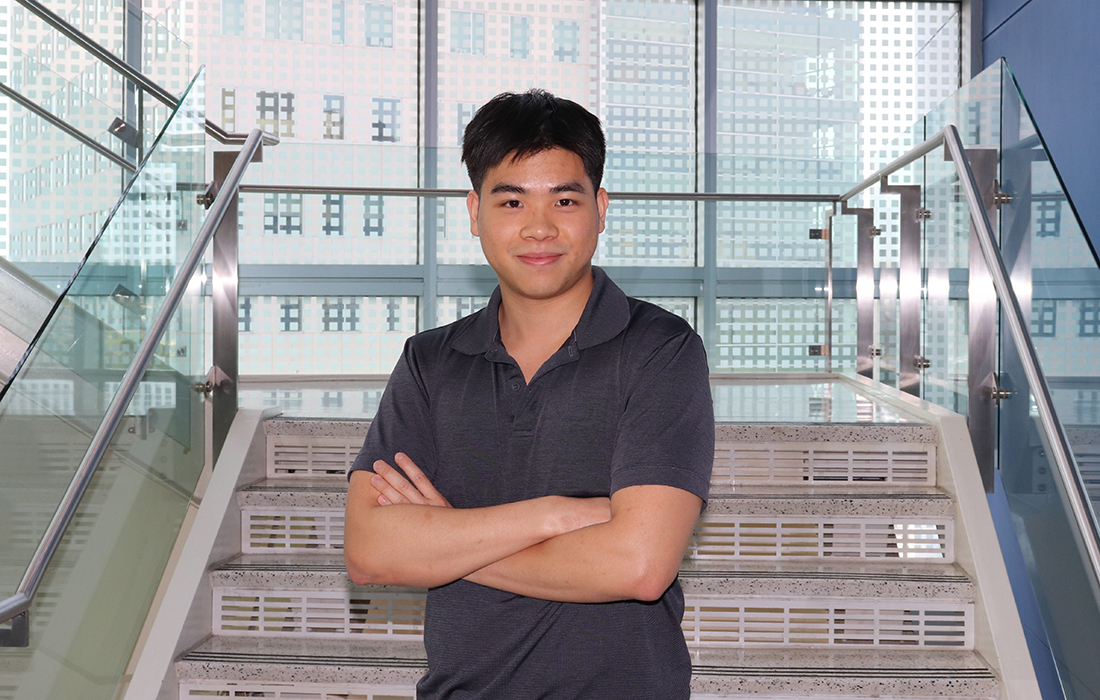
(572, 350)
(515, 386)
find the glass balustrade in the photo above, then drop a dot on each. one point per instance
(90, 608)
(970, 362)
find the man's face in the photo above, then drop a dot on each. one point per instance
(539, 219)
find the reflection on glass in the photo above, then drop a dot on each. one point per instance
(114, 553)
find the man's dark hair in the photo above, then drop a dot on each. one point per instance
(527, 124)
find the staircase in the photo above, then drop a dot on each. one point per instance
(830, 563)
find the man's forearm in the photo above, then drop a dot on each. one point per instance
(634, 556)
(425, 546)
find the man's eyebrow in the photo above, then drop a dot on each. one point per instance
(505, 187)
(573, 186)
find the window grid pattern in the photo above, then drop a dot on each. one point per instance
(283, 214)
(333, 215)
(468, 32)
(519, 36)
(339, 21)
(566, 41)
(340, 314)
(229, 109)
(244, 315)
(1044, 318)
(233, 17)
(1048, 218)
(290, 314)
(385, 113)
(1088, 322)
(373, 216)
(283, 20)
(275, 112)
(379, 24)
(334, 117)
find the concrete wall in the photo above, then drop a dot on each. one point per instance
(1053, 49)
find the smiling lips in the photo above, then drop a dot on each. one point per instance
(541, 258)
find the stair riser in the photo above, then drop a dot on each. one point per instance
(709, 621)
(718, 538)
(735, 463)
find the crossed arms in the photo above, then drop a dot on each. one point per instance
(581, 550)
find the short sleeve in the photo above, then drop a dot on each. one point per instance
(403, 420)
(666, 434)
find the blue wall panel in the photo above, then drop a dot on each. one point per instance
(1053, 48)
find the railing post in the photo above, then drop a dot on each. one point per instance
(982, 340)
(909, 285)
(865, 288)
(224, 377)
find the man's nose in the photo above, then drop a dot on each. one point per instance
(540, 226)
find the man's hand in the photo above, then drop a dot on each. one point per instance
(393, 488)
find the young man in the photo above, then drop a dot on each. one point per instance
(540, 465)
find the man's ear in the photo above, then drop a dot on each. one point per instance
(472, 204)
(601, 205)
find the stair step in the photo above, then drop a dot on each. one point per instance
(308, 515)
(928, 605)
(243, 667)
(859, 454)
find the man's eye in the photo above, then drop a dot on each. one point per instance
(565, 202)
(512, 203)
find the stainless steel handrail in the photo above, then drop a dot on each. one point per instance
(132, 74)
(68, 128)
(20, 602)
(437, 192)
(1053, 429)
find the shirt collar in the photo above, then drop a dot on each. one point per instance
(605, 316)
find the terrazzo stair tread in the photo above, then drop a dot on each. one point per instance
(835, 501)
(321, 492)
(920, 581)
(854, 673)
(825, 432)
(317, 427)
(313, 492)
(354, 661)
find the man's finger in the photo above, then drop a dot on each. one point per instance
(422, 483)
(394, 487)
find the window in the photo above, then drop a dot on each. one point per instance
(290, 314)
(275, 112)
(466, 112)
(283, 20)
(334, 117)
(384, 116)
(373, 216)
(290, 400)
(566, 39)
(1048, 218)
(340, 314)
(229, 110)
(233, 17)
(393, 313)
(332, 399)
(1089, 320)
(283, 214)
(520, 37)
(339, 21)
(1044, 318)
(468, 32)
(379, 19)
(244, 315)
(333, 215)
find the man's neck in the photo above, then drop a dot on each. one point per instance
(533, 329)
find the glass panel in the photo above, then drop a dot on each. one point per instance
(770, 335)
(61, 191)
(1055, 274)
(166, 60)
(91, 605)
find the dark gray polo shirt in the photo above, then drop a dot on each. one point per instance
(625, 401)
